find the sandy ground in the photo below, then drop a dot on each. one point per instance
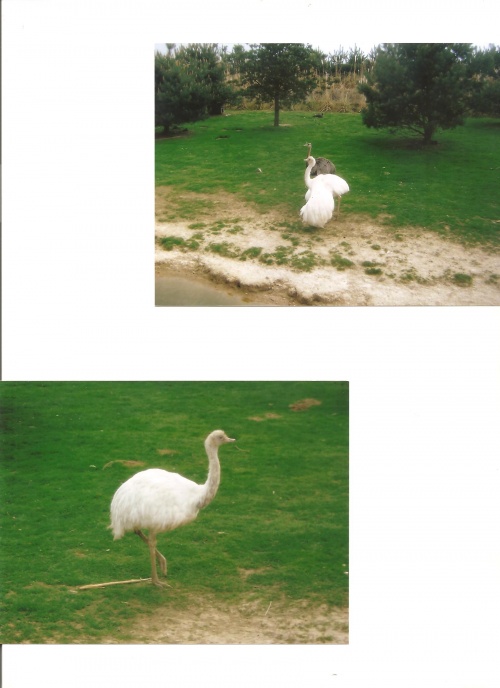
(417, 267)
(246, 623)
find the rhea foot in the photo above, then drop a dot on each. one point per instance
(160, 584)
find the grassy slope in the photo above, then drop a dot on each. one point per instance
(282, 507)
(451, 188)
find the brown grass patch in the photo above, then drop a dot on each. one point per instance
(304, 404)
(245, 573)
(266, 416)
(128, 464)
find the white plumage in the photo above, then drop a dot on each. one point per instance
(320, 204)
(159, 501)
(155, 500)
(335, 184)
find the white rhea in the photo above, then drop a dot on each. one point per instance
(159, 501)
(320, 205)
(335, 184)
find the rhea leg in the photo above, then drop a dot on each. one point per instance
(163, 563)
(152, 553)
(161, 559)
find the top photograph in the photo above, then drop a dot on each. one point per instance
(292, 175)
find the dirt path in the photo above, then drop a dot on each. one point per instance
(244, 623)
(351, 262)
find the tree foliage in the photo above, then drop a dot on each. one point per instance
(415, 87)
(420, 87)
(190, 84)
(485, 82)
(282, 73)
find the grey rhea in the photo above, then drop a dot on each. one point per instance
(322, 165)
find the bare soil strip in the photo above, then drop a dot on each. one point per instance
(356, 262)
(246, 622)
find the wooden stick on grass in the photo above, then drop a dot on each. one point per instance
(103, 585)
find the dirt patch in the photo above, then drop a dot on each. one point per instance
(245, 573)
(353, 261)
(123, 462)
(266, 416)
(166, 452)
(304, 404)
(245, 622)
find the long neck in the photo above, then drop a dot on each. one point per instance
(307, 175)
(209, 489)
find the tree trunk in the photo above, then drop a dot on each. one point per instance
(276, 111)
(429, 130)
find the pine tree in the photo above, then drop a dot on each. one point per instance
(420, 87)
(282, 73)
(190, 84)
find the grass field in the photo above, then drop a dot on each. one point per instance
(278, 525)
(450, 188)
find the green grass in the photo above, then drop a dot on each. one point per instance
(450, 188)
(253, 252)
(168, 243)
(222, 249)
(281, 509)
(340, 262)
(462, 280)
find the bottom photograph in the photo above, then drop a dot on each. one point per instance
(174, 512)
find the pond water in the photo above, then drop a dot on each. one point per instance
(180, 291)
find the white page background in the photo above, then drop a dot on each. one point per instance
(78, 304)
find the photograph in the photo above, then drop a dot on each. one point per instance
(219, 497)
(175, 513)
(291, 174)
